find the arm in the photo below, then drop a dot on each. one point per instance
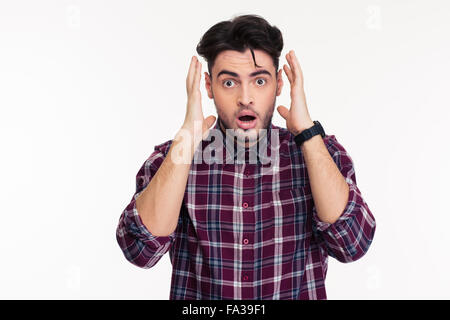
(138, 244)
(159, 205)
(340, 213)
(159, 182)
(148, 223)
(328, 186)
(349, 237)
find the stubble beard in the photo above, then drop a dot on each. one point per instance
(244, 135)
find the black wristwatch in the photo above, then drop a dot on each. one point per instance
(309, 133)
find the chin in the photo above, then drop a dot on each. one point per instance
(241, 132)
(250, 134)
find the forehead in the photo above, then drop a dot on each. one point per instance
(242, 62)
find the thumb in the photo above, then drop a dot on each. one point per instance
(283, 111)
(210, 121)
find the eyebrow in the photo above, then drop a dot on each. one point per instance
(234, 74)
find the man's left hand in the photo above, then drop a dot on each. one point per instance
(297, 117)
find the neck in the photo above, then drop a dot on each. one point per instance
(247, 143)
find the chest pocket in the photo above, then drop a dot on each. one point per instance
(289, 214)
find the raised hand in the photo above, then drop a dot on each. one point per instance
(194, 119)
(297, 117)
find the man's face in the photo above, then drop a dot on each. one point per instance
(244, 95)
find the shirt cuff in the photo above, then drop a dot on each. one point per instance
(138, 229)
(349, 208)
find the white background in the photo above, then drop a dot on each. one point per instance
(88, 88)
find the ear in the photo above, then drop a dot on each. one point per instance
(279, 81)
(208, 85)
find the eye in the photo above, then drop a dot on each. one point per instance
(227, 81)
(264, 81)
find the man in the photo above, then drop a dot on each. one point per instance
(258, 217)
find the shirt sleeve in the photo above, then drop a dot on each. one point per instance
(138, 244)
(348, 238)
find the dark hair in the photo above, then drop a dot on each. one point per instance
(240, 33)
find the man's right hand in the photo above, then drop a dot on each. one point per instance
(159, 203)
(194, 119)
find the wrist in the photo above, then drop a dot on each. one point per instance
(190, 137)
(183, 147)
(301, 127)
(309, 133)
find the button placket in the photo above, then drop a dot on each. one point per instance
(248, 171)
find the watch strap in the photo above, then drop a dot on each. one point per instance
(309, 133)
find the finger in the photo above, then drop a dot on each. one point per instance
(288, 73)
(190, 76)
(210, 121)
(291, 64)
(283, 111)
(296, 64)
(197, 76)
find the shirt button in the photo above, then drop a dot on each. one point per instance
(247, 173)
(245, 241)
(245, 278)
(245, 205)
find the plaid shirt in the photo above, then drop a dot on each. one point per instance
(247, 231)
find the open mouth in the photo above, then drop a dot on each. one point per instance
(246, 118)
(246, 121)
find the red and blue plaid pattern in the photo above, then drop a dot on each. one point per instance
(249, 232)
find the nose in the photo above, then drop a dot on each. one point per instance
(245, 97)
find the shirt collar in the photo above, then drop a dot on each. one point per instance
(252, 154)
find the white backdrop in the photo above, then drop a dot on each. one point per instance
(88, 88)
